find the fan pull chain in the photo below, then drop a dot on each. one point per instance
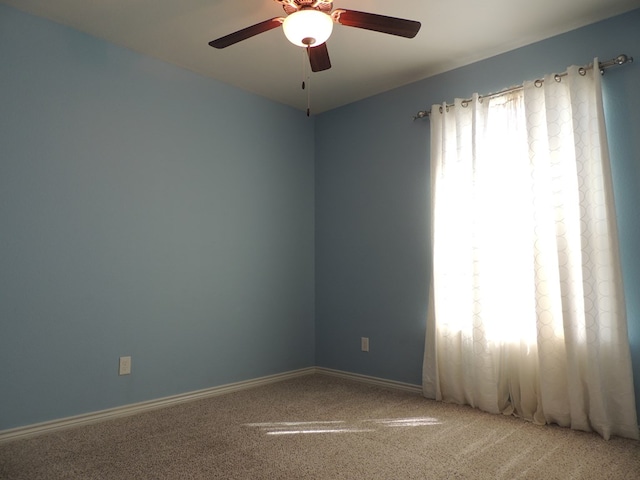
(304, 70)
(309, 82)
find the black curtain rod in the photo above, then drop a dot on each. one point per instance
(614, 62)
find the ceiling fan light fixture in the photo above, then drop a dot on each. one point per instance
(308, 27)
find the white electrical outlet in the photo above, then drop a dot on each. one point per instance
(364, 344)
(125, 366)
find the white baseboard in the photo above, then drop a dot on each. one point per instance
(126, 410)
(380, 382)
(132, 409)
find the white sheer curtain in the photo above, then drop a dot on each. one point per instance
(527, 311)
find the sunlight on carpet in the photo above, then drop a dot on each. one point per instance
(331, 426)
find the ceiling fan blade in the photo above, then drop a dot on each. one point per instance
(248, 32)
(319, 58)
(378, 23)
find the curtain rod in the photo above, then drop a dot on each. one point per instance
(614, 62)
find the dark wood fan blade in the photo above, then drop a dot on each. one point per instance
(378, 23)
(319, 58)
(245, 33)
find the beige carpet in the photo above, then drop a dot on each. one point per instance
(318, 427)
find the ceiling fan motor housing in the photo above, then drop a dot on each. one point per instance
(291, 6)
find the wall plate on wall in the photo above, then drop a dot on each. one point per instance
(125, 366)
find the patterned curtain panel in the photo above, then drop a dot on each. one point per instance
(527, 309)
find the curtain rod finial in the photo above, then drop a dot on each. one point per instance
(421, 114)
(622, 59)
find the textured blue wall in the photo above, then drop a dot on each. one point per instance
(144, 211)
(372, 198)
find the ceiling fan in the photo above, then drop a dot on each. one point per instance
(309, 24)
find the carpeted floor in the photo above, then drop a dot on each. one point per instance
(318, 427)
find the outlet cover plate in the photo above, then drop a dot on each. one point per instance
(125, 366)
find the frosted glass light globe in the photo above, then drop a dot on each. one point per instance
(308, 28)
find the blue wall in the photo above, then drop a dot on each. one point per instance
(144, 211)
(372, 199)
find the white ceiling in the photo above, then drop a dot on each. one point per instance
(364, 63)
